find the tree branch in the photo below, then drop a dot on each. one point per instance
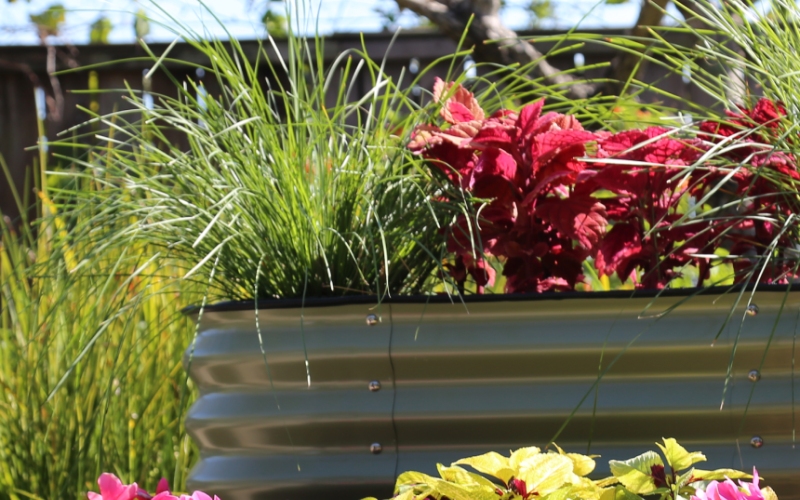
(503, 46)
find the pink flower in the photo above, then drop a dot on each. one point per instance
(728, 490)
(163, 493)
(111, 488)
(163, 485)
(197, 495)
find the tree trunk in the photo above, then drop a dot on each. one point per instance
(629, 65)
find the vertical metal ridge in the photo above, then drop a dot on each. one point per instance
(394, 394)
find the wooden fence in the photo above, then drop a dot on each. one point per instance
(23, 68)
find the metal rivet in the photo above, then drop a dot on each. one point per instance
(372, 319)
(754, 375)
(752, 310)
(375, 448)
(756, 442)
(374, 386)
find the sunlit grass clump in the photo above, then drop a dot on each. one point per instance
(90, 362)
(273, 179)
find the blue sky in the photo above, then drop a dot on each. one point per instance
(241, 17)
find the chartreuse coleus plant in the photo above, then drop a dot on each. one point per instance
(673, 477)
(557, 475)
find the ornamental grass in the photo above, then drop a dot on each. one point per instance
(90, 364)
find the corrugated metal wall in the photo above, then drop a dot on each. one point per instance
(457, 380)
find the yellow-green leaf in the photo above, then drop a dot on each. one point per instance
(608, 494)
(545, 473)
(406, 495)
(609, 481)
(522, 454)
(50, 20)
(493, 464)
(582, 464)
(621, 493)
(684, 478)
(460, 492)
(720, 474)
(677, 456)
(585, 489)
(411, 478)
(768, 493)
(561, 494)
(100, 30)
(635, 474)
(460, 476)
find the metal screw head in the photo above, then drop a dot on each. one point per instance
(374, 386)
(754, 375)
(375, 448)
(756, 442)
(752, 310)
(373, 319)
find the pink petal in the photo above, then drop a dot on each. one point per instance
(94, 496)
(712, 492)
(728, 491)
(108, 483)
(163, 485)
(111, 488)
(165, 495)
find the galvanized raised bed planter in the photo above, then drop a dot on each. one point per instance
(406, 384)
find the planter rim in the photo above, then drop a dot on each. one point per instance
(315, 302)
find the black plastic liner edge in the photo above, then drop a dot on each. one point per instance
(249, 305)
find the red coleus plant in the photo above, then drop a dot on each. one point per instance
(556, 194)
(763, 176)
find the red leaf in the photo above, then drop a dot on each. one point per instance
(446, 149)
(457, 113)
(493, 135)
(565, 266)
(559, 151)
(622, 179)
(481, 272)
(427, 135)
(579, 218)
(529, 118)
(566, 122)
(522, 274)
(768, 113)
(493, 175)
(504, 117)
(620, 244)
(550, 144)
(459, 105)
